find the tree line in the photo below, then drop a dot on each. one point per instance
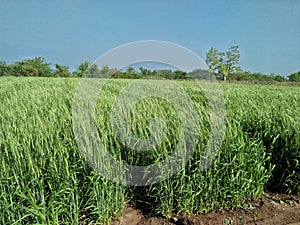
(37, 67)
(223, 65)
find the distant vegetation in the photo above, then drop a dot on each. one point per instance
(224, 65)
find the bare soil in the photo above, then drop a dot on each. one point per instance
(271, 209)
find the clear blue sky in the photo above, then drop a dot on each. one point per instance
(72, 31)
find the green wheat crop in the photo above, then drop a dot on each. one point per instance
(45, 179)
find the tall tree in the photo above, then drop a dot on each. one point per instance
(61, 71)
(223, 63)
(82, 68)
(93, 70)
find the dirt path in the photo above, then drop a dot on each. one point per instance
(271, 209)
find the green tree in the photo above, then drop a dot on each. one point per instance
(61, 71)
(223, 63)
(279, 78)
(131, 73)
(130, 70)
(178, 74)
(93, 70)
(145, 72)
(36, 67)
(213, 60)
(82, 69)
(5, 70)
(168, 74)
(200, 74)
(295, 77)
(105, 71)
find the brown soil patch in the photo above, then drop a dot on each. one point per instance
(271, 209)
